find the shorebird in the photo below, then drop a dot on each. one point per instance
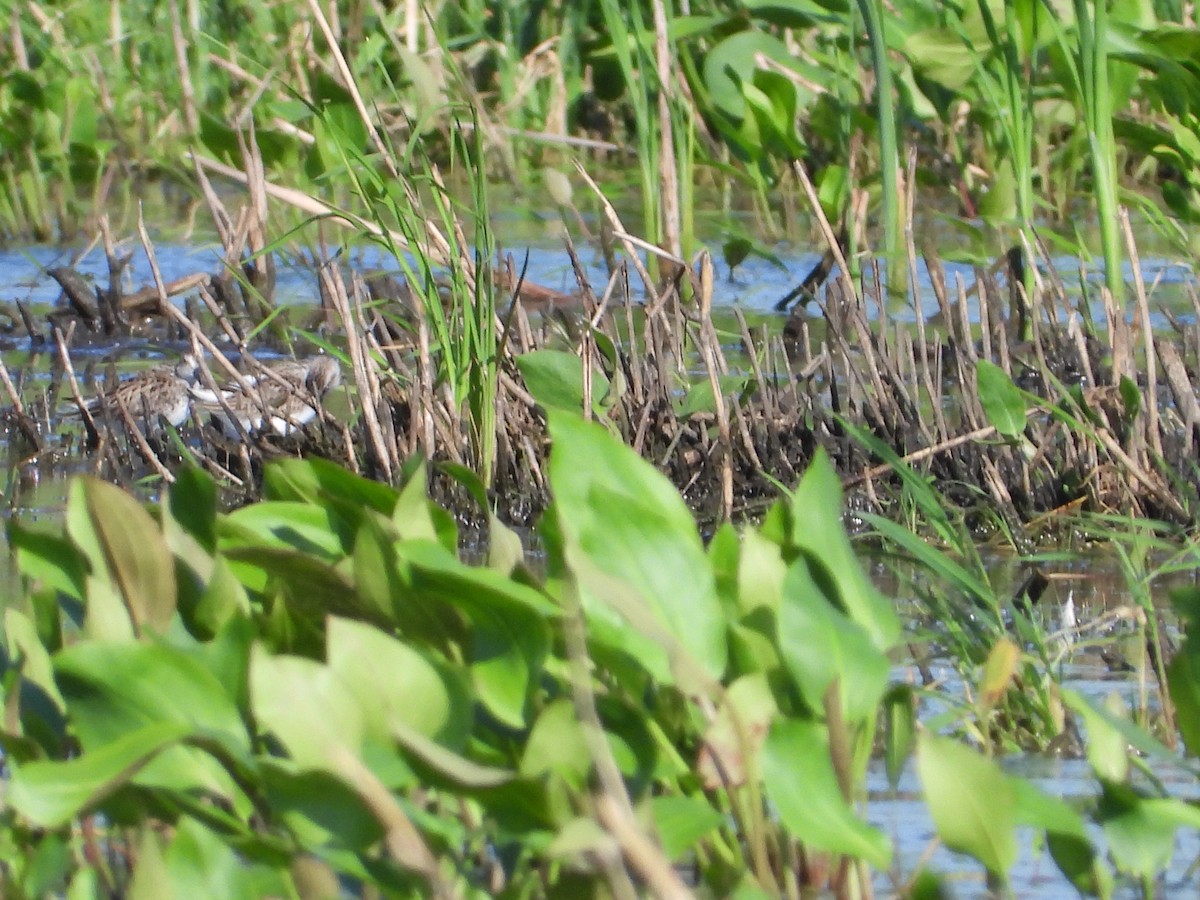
(282, 398)
(162, 392)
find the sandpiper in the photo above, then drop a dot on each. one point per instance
(161, 392)
(282, 398)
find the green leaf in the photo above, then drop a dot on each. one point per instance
(820, 645)
(113, 688)
(201, 865)
(799, 779)
(321, 809)
(321, 482)
(971, 801)
(700, 398)
(1183, 679)
(899, 730)
(682, 822)
(1140, 832)
(632, 542)
(1001, 399)
(445, 765)
(49, 558)
(817, 530)
(510, 634)
(305, 527)
(555, 379)
(1066, 835)
(50, 794)
(395, 684)
(307, 706)
(557, 744)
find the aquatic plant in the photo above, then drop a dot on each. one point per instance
(315, 687)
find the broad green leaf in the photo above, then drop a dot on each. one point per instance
(627, 520)
(557, 744)
(150, 880)
(413, 517)
(555, 379)
(320, 482)
(320, 808)
(306, 527)
(1066, 835)
(377, 577)
(135, 554)
(22, 643)
(510, 633)
(1140, 831)
(820, 645)
(731, 63)
(699, 397)
(192, 503)
(1001, 399)
(817, 530)
(312, 587)
(971, 800)
(1107, 747)
(200, 864)
(1183, 678)
(106, 615)
(943, 56)
(395, 684)
(50, 794)
(760, 574)
(682, 822)
(49, 558)
(307, 706)
(113, 688)
(800, 781)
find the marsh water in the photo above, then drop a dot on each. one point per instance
(33, 488)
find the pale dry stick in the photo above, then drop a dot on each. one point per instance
(65, 358)
(924, 453)
(1163, 494)
(216, 209)
(613, 806)
(389, 432)
(223, 320)
(1153, 425)
(707, 342)
(643, 855)
(1181, 389)
(9, 388)
(545, 137)
(668, 166)
(614, 220)
(827, 232)
(314, 207)
(336, 288)
(179, 42)
(16, 40)
(755, 363)
(349, 83)
(403, 840)
(140, 439)
(602, 307)
(424, 399)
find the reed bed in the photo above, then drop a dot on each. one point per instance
(731, 420)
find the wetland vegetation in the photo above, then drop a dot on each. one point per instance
(248, 658)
